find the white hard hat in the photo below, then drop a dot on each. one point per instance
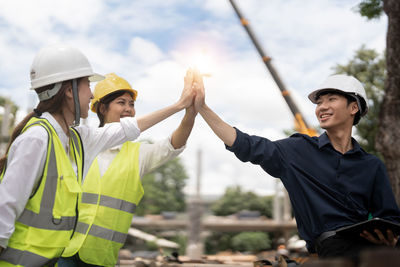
(345, 84)
(57, 63)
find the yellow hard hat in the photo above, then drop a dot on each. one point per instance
(112, 83)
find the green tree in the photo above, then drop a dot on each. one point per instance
(180, 239)
(235, 199)
(369, 67)
(388, 141)
(371, 9)
(163, 189)
(218, 241)
(251, 242)
(244, 241)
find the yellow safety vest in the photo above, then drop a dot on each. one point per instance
(45, 226)
(106, 208)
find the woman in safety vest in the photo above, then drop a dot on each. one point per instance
(112, 188)
(46, 158)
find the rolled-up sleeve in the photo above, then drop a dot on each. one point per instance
(110, 135)
(154, 155)
(131, 128)
(258, 150)
(96, 140)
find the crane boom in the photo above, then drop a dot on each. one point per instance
(301, 124)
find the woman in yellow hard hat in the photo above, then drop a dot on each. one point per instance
(112, 188)
(46, 158)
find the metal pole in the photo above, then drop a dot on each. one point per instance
(195, 247)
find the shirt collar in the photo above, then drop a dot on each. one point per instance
(57, 127)
(323, 140)
(356, 146)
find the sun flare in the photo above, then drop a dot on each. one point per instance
(202, 61)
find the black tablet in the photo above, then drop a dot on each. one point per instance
(370, 226)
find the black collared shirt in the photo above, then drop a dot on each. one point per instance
(327, 189)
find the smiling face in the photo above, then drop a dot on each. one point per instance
(334, 111)
(120, 107)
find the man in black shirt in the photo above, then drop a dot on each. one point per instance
(332, 182)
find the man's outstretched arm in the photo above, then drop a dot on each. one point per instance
(222, 129)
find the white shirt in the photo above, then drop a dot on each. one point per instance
(151, 156)
(27, 156)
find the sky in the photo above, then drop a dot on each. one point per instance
(151, 44)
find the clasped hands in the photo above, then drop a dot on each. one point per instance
(192, 97)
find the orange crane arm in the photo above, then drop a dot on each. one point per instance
(300, 123)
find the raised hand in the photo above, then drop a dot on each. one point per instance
(186, 100)
(198, 86)
(188, 93)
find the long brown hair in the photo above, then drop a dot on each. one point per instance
(52, 105)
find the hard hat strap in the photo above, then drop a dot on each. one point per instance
(76, 102)
(359, 105)
(50, 93)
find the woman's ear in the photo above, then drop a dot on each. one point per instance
(68, 92)
(102, 109)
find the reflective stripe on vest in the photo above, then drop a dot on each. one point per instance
(101, 232)
(76, 140)
(43, 219)
(110, 202)
(25, 258)
(21, 251)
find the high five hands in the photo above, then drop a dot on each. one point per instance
(192, 97)
(198, 86)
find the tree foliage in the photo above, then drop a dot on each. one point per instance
(243, 242)
(251, 242)
(218, 241)
(235, 200)
(371, 9)
(163, 189)
(388, 138)
(369, 67)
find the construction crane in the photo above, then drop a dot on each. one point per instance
(300, 124)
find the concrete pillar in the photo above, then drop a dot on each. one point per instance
(277, 212)
(195, 247)
(287, 208)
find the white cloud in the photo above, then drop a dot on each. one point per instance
(145, 51)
